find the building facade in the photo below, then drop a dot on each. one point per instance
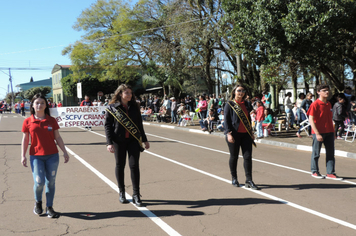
(59, 72)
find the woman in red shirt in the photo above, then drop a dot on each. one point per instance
(238, 136)
(44, 158)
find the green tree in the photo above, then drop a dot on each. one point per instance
(28, 94)
(309, 33)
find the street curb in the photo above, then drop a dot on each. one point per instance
(263, 141)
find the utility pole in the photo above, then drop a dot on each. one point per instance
(12, 91)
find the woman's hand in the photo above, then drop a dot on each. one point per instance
(24, 161)
(110, 148)
(66, 157)
(230, 139)
(147, 145)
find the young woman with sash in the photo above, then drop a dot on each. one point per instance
(238, 133)
(125, 134)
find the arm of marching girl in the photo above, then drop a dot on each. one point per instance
(60, 143)
(24, 146)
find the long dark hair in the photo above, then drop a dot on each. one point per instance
(234, 89)
(118, 94)
(38, 95)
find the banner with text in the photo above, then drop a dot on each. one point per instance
(79, 116)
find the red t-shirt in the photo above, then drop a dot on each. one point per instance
(42, 135)
(22, 104)
(260, 116)
(242, 128)
(59, 105)
(323, 116)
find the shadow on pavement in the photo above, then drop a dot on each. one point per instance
(135, 214)
(309, 186)
(86, 144)
(213, 202)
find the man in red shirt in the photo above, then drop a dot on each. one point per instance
(22, 108)
(59, 104)
(320, 118)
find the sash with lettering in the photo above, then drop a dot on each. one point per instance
(127, 123)
(243, 119)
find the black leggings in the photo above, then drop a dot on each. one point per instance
(132, 148)
(337, 125)
(244, 141)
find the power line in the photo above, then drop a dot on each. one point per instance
(135, 32)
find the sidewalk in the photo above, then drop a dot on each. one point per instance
(282, 139)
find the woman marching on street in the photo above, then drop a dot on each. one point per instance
(44, 158)
(125, 134)
(238, 133)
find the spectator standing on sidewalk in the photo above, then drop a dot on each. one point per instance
(174, 111)
(288, 107)
(202, 105)
(339, 115)
(86, 102)
(260, 116)
(267, 98)
(239, 134)
(320, 118)
(44, 158)
(304, 107)
(120, 141)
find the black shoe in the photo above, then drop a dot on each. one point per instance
(136, 200)
(122, 198)
(51, 213)
(38, 208)
(250, 184)
(235, 182)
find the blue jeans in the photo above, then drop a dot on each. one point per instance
(44, 171)
(287, 110)
(174, 116)
(259, 129)
(203, 115)
(328, 140)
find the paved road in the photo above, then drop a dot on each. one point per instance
(185, 186)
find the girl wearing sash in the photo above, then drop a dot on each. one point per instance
(125, 134)
(238, 133)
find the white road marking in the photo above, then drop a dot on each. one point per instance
(294, 205)
(169, 230)
(265, 162)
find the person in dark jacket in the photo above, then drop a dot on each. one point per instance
(238, 136)
(120, 141)
(339, 114)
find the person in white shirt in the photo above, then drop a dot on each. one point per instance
(288, 106)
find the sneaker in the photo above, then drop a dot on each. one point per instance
(338, 137)
(317, 175)
(38, 208)
(51, 213)
(298, 135)
(333, 176)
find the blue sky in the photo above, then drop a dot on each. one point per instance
(29, 26)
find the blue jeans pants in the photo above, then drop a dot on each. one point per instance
(328, 140)
(44, 171)
(174, 116)
(259, 129)
(292, 118)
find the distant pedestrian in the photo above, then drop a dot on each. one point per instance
(339, 115)
(320, 118)
(59, 104)
(238, 133)
(260, 117)
(288, 106)
(86, 102)
(44, 158)
(22, 105)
